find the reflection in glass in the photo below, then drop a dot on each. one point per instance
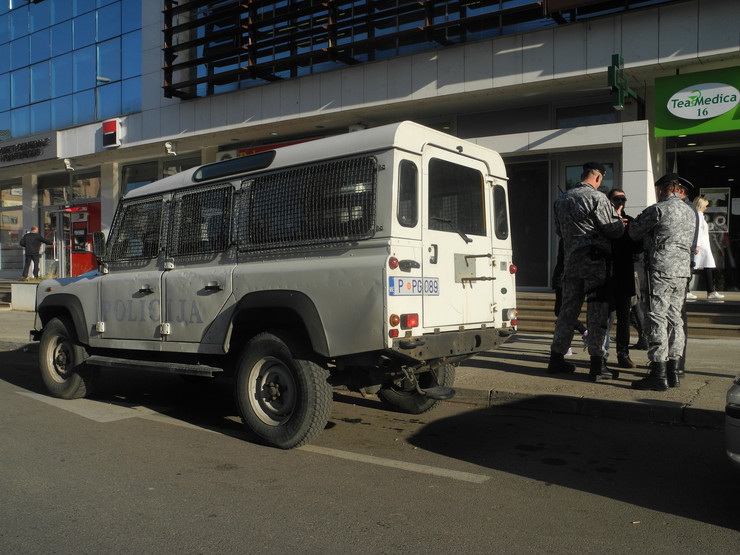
(19, 53)
(83, 30)
(40, 117)
(61, 75)
(109, 22)
(84, 68)
(61, 38)
(109, 61)
(40, 82)
(109, 101)
(20, 122)
(84, 106)
(19, 88)
(40, 46)
(61, 112)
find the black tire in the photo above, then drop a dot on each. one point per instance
(285, 401)
(61, 360)
(409, 400)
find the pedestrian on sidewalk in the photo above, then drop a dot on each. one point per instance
(623, 291)
(703, 257)
(587, 222)
(31, 243)
(669, 225)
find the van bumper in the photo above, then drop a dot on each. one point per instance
(457, 345)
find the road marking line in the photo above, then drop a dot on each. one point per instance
(412, 467)
(107, 412)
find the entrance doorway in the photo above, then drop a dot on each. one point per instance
(714, 170)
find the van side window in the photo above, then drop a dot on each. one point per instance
(500, 219)
(201, 221)
(136, 230)
(408, 194)
(325, 203)
(456, 198)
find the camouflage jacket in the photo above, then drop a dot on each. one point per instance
(587, 222)
(668, 228)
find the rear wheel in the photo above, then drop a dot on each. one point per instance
(61, 360)
(403, 396)
(285, 401)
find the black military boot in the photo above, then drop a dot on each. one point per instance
(655, 381)
(558, 365)
(600, 371)
(672, 372)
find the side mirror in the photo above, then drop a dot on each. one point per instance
(98, 244)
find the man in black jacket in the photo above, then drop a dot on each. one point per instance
(31, 242)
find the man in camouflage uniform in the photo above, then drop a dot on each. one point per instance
(587, 222)
(668, 227)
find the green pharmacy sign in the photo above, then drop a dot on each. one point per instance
(703, 102)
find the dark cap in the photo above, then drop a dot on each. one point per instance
(590, 166)
(669, 178)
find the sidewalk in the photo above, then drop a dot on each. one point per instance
(516, 374)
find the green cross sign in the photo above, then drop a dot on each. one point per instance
(619, 83)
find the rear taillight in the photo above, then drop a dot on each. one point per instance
(409, 321)
(512, 268)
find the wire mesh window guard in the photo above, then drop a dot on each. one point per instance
(325, 203)
(136, 230)
(201, 220)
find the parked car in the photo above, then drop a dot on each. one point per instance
(732, 422)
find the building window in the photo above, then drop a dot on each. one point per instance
(134, 176)
(67, 63)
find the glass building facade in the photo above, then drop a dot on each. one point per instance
(67, 62)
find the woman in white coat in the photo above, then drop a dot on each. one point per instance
(703, 259)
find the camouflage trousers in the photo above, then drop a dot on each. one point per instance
(575, 288)
(666, 337)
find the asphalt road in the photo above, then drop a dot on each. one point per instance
(153, 464)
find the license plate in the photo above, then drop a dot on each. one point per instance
(410, 286)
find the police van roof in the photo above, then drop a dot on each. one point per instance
(405, 135)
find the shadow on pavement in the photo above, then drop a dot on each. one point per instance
(671, 469)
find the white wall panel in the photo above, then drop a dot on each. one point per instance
(187, 117)
(252, 103)
(151, 127)
(375, 79)
(399, 79)
(640, 38)
(353, 83)
(202, 114)
(309, 95)
(678, 32)
(424, 75)
(478, 64)
(719, 27)
(537, 56)
(604, 37)
(169, 123)
(451, 70)
(331, 90)
(507, 61)
(569, 51)
(290, 93)
(270, 101)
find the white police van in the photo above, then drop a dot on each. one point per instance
(376, 260)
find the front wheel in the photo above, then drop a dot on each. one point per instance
(61, 362)
(285, 401)
(402, 396)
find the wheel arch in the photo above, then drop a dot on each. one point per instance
(286, 310)
(65, 305)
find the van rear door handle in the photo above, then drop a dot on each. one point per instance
(433, 258)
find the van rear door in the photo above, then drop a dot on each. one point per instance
(457, 261)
